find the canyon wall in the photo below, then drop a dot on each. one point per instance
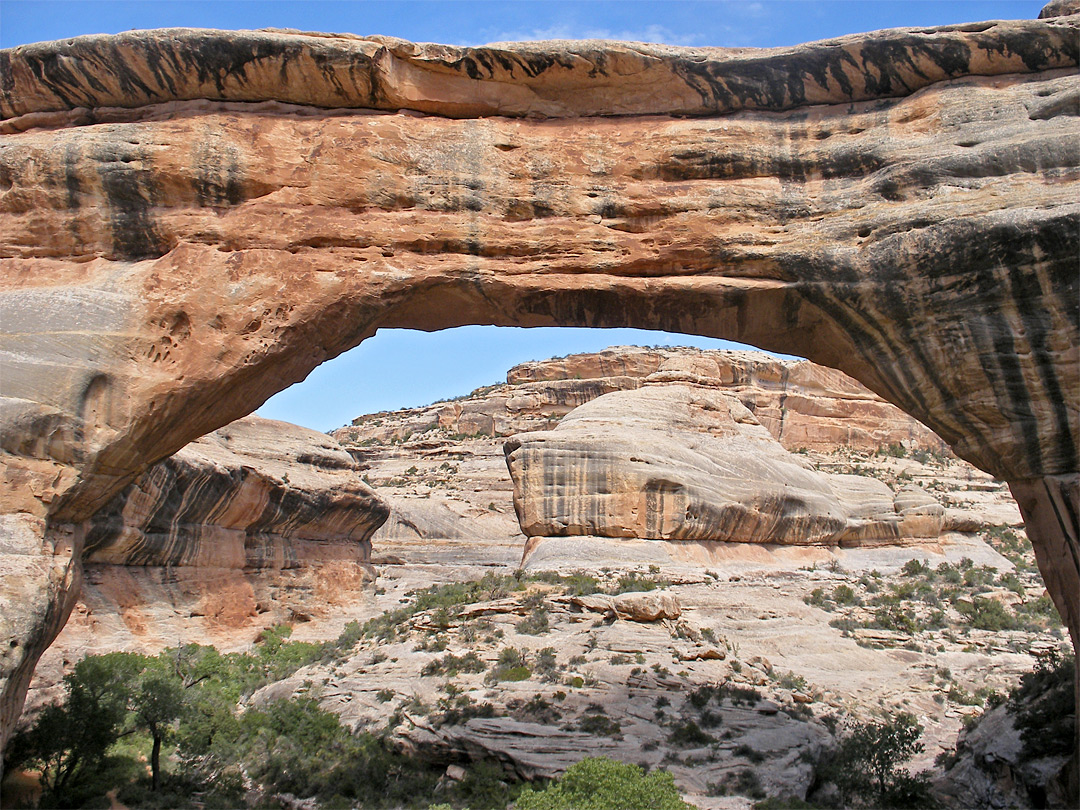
(258, 523)
(193, 220)
(685, 463)
(802, 404)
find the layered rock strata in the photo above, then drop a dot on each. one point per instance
(677, 462)
(802, 404)
(900, 205)
(257, 523)
(256, 494)
(442, 470)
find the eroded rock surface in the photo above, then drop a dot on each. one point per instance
(901, 206)
(802, 404)
(678, 462)
(442, 470)
(257, 523)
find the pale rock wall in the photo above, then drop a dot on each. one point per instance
(802, 404)
(679, 462)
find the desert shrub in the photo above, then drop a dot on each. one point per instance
(789, 680)
(545, 664)
(536, 709)
(915, 568)
(749, 753)
(867, 768)
(689, 734)
(950, 573)
(744, 782)
(485, 787)
(699, 698)
(710, 719)
(738, 695)
(987, 614)
(351, 634)
(983, 575)
(445, 601)
(458, 709)
(294, 746)
(635, 582)
(845, 595)
(599, 783)
(1040, 612)
(600, 725)
(892, 617)
(535, 624)
(451, 665)
(511, 666)
(1044, 708)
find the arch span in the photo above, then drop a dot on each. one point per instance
(195, 220)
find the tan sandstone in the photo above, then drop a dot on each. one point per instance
(678, 462)
(900, 205)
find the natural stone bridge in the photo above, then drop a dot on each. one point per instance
(193, 220)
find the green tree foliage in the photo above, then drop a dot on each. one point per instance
(156, 700)
(182, 707)
(867, 769)
(987, 614)
(69, 741)
(1044, 708)
(599, 783)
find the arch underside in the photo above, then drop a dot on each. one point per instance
(167, 268)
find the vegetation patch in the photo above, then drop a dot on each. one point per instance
(599, 783)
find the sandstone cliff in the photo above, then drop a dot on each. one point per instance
(443, 472)
(676, 462)
(256, 523)
(899, 205)
(802, 404)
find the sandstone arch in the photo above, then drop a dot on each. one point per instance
(193, 220)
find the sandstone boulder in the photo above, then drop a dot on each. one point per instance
(991, 769)
(678, 462)
(634, 607)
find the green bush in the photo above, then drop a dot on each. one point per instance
(600, 783)
(600, 725)
(511, 666)
(68, 743)
(635, 582)
(915, 567)
(535, 624)
(867, 768)
(451, 665)
(987, 614)
(688, 734)
(1044, 708)
(845, 595)
(892, 617)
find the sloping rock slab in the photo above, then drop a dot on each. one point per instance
(681, 462)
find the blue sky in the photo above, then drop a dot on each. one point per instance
(399, 368)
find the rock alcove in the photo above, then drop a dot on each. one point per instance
(193, 220)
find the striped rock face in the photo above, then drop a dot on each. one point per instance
(680, 462)
(193, 220)
(257, 494)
